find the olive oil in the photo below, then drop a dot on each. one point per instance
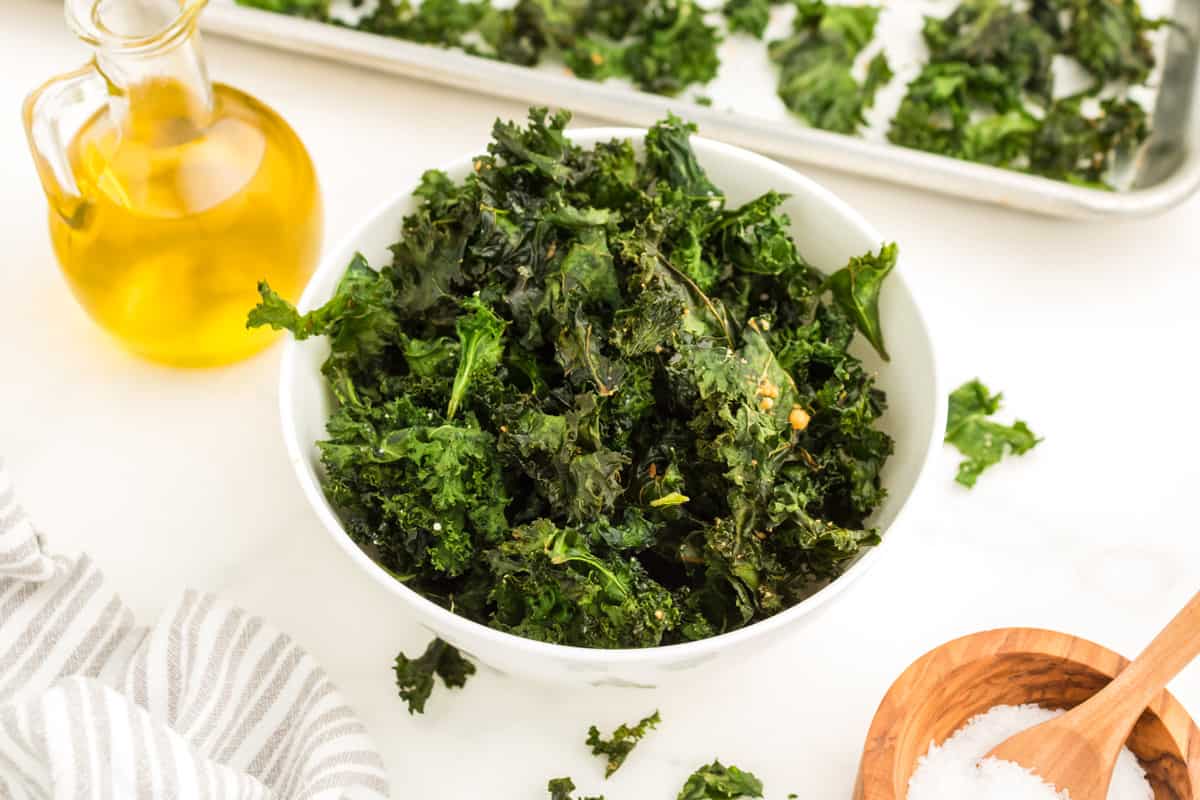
(178, 213)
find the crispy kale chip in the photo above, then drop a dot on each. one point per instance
(1109, 38)
(617, 747)
(816, 64)
(414, 676)
(983, 441)
(856, 289)
(1073, 146)
(480, 335)
(561, 789)
(749, 16)
(994, 33)
(716, 781)
(666, 47)
(590, 402)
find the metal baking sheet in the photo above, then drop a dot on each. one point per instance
(745, 110)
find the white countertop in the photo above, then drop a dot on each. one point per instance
(171, 479)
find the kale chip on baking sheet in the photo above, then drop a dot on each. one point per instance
(414, 676)
(590, 401)
(816, 63)
(716, 781)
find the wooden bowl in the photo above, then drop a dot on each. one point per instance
(949, 685)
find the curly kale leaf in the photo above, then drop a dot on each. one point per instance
(480, 336)
(1072, 146)
(754, 238)
(561, 789)
(749, 16)
(353, 318)
(669, 156)
(715, 781)
(550, 584)
(940, 105)
(983, 441)
(673, 47)
(441, 22)
(414, 676)
(1109, 38)
(856, 288)
(999, 139)
(995, 34)
(618, 747)
(667, 47)
(426, 268)
(816, 63)
(426, 497)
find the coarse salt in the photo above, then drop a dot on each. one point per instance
(957, 770)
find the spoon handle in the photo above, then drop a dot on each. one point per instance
(1138, 684)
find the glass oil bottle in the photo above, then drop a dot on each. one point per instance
(170, 196)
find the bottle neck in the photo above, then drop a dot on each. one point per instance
(149, 53)
(156, 91)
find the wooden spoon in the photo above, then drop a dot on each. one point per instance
(1078, 750)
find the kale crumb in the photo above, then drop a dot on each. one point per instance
(816, 63)
(414, 676)
(621, 743)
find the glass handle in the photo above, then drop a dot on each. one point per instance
(53, 113)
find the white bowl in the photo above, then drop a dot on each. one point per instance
(828, 233)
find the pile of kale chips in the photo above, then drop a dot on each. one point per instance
(589, 403)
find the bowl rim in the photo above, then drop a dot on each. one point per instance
(880, 747)
(588, 656)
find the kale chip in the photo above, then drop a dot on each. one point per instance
(983, 441)
(1108, 37)
(666, 47)
(590, 402)
(994, 33)
(749, 16)
(621, 743)
(414, 676)
(715, 781)
(816, 63)
(561, 788)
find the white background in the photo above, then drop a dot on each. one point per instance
(172, 479)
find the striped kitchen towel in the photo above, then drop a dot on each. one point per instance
(211, 702)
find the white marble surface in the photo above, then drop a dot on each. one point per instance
(173, 479)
